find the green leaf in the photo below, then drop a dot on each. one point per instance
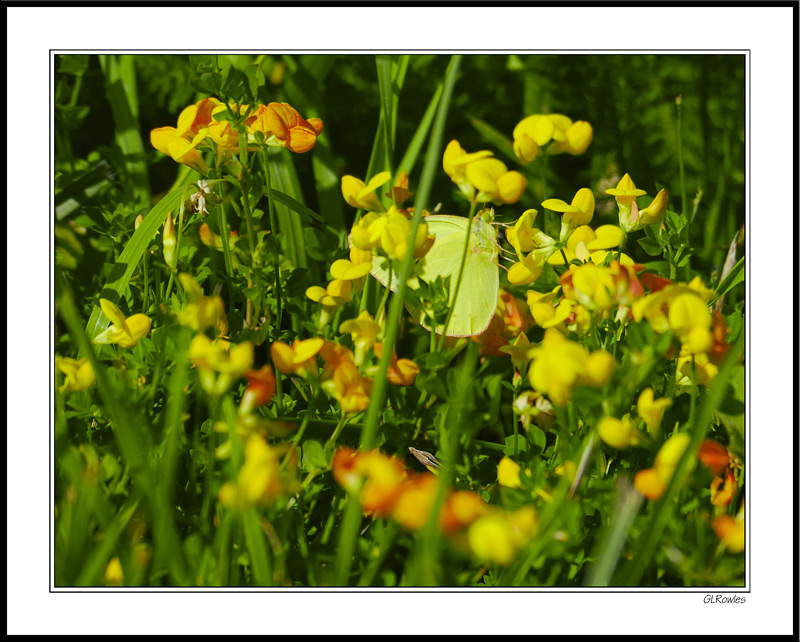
(297, 206)
(314, 456)
(651, 247)
(522, 445)
(735, 276)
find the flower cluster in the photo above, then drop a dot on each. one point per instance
(261, 480)
(559, 365)
(387, 489)
(345, 376)
(482, 178)
(683, 310)
(534, 132)
(212, 124)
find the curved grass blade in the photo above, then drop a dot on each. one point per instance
(414, 148)
(314, 219)
(129, 259)
(493, 136)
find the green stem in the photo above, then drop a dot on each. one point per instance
(273, 225)
(251, 238)
(338, 430)
(223, 232)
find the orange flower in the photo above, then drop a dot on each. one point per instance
(285, 127)
(260, 390)
(460, 509)
(384, 478)
(350, 388)
(649, 484)
(713, 455)
(401, 372)
(723, 496)
(730, 531)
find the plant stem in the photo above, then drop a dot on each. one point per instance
(273, 230)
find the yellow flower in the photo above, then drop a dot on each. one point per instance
(521, 235)
(216, 367)
(113, 575)
(78, 374)
(348, 386)
(598, 368)
(393, 229)
(259, 481)
(415, 501)
(364, 332)
(548, 315)
(560, 364)
(670, 454)
(335, 295)
(518, 350)
(181, 142)
(651, 410)
(297, 358)
(690, 319)
(619, 434)
(557, 365)
(705, 370)
(360, 234)
(362, 196)
(124, 331)
(385, 477)
(585, 242)
(508, 473)
(490, 539)
(494, 182)
(454, 161)
(652, 214)
(592, 286)
(498, 536)
(201, 311)
(578, 213)
(533, 132)
(649, 484)
(344, 270)
(401, 372)
(477, 171)
(625, 194)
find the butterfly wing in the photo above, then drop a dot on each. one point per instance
(440, 225)
(480, 283)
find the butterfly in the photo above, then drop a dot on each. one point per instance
(480, 283)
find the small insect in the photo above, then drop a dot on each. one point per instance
(426, 459)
